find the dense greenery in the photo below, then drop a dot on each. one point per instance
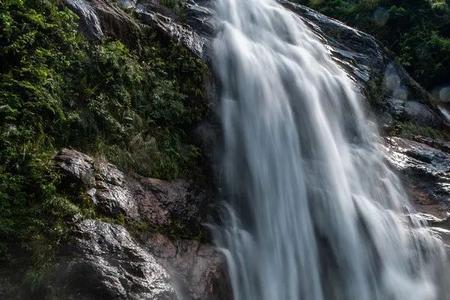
(178, 6)
(418, 31)
(134, 106)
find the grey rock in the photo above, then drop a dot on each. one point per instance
(421, 114)
(127, 4)
(77, 165)
(152, 13)
(103, 18)
(102, 261)
(89, 21)
(157, 202)
(425, 170)
(200, 269)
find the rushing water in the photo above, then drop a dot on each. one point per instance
(313, 211)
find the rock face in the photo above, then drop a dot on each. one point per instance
(199, 269)
(391, 91)
(152, 266)
(100, 18)
(150, 12)
(425, 170)
(156, 202)
(102, 261)
(89, 21)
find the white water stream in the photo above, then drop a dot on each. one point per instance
(313, 211)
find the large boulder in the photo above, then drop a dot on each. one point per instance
(102, 261)
(156, 202)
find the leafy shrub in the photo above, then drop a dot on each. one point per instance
(418, 31)
(134, 106)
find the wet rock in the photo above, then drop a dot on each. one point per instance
(196, 269)
(100, 18)
(77, 165)
(127, 4)
(102, 261)
(157, 202)
(89, 21)
(425, 171)
(440, 144)
(421, 114)
(156, 15)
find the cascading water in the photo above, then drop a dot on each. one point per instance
(314, 213)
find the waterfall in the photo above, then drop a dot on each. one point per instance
(313, 212)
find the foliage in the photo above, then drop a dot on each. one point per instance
(178, 6)
(38, 44)
(417, 31)
(411, 130)
(135, 107)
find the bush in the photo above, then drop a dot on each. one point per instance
(135, 107)
(417, 31)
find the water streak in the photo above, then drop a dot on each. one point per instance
(314, 213)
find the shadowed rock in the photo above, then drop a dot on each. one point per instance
(199, 269)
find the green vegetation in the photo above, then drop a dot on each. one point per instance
(411, 130)
(417, 31)
(177, 6)
(133, 106)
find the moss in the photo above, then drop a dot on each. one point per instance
(133, 105)
(411, 130)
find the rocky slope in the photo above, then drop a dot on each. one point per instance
(145, 247)
(104, 261)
